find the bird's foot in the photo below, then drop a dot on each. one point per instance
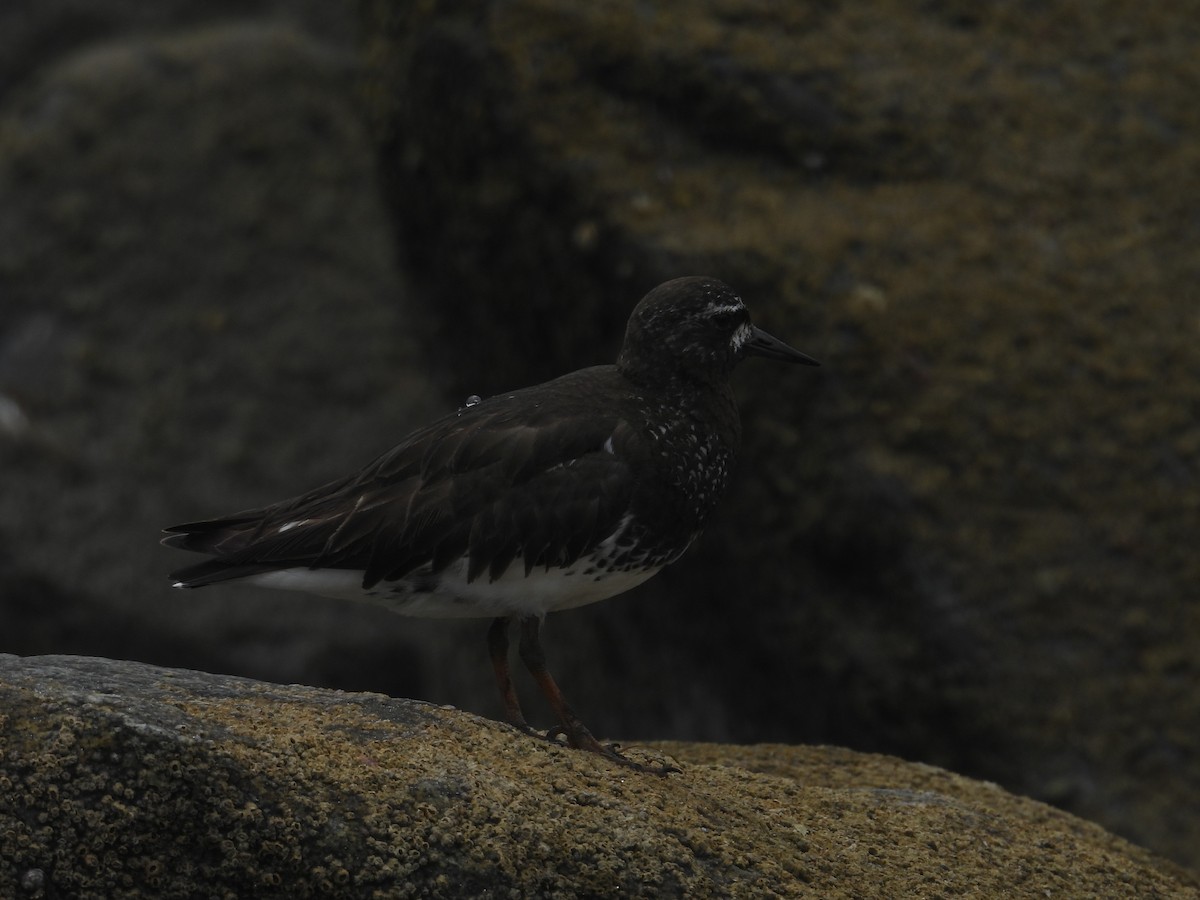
(570, 728)
(580, 738)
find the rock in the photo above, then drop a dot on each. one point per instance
(122, 779)
(171, 359)
(966, 540)
(970, 539)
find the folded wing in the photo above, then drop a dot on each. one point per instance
(543, 489)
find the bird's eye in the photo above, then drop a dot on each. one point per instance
(727, 318)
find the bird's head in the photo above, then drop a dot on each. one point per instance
(696, 326)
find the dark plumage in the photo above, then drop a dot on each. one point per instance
(546, 498)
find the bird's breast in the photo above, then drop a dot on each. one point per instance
(692, 453)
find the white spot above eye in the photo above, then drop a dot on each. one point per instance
(608, 445)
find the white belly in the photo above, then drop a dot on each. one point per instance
(449, 595)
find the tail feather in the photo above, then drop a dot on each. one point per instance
(212, 571)
(216, 536)
(211, 536)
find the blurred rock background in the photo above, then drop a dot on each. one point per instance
(246, 247)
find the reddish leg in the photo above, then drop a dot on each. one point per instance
(498, 647)
(571, 726)
(534, 658)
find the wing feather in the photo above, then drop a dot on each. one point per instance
(498, 481)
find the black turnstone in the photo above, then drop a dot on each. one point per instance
(542, 499)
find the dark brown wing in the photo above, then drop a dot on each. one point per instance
(538, 475)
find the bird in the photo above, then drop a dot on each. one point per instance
(529, 502)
